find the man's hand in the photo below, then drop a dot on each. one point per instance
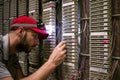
(59, 53)
(57, 57)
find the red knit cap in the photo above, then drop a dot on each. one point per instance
(28, 23)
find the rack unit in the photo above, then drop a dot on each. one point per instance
(22, 10)
(6, 17)
(1, 6)
(100, 25)
(34, 9)
(69, 32)
(23, 62)
(49, 18)
(34, 55)
(22, 7)
(13, 9)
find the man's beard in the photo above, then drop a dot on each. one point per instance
(23, 45)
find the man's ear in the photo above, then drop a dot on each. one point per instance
(20, 32)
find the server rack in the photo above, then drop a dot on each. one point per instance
(100, 28)
(69, 32)
(49, 18)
